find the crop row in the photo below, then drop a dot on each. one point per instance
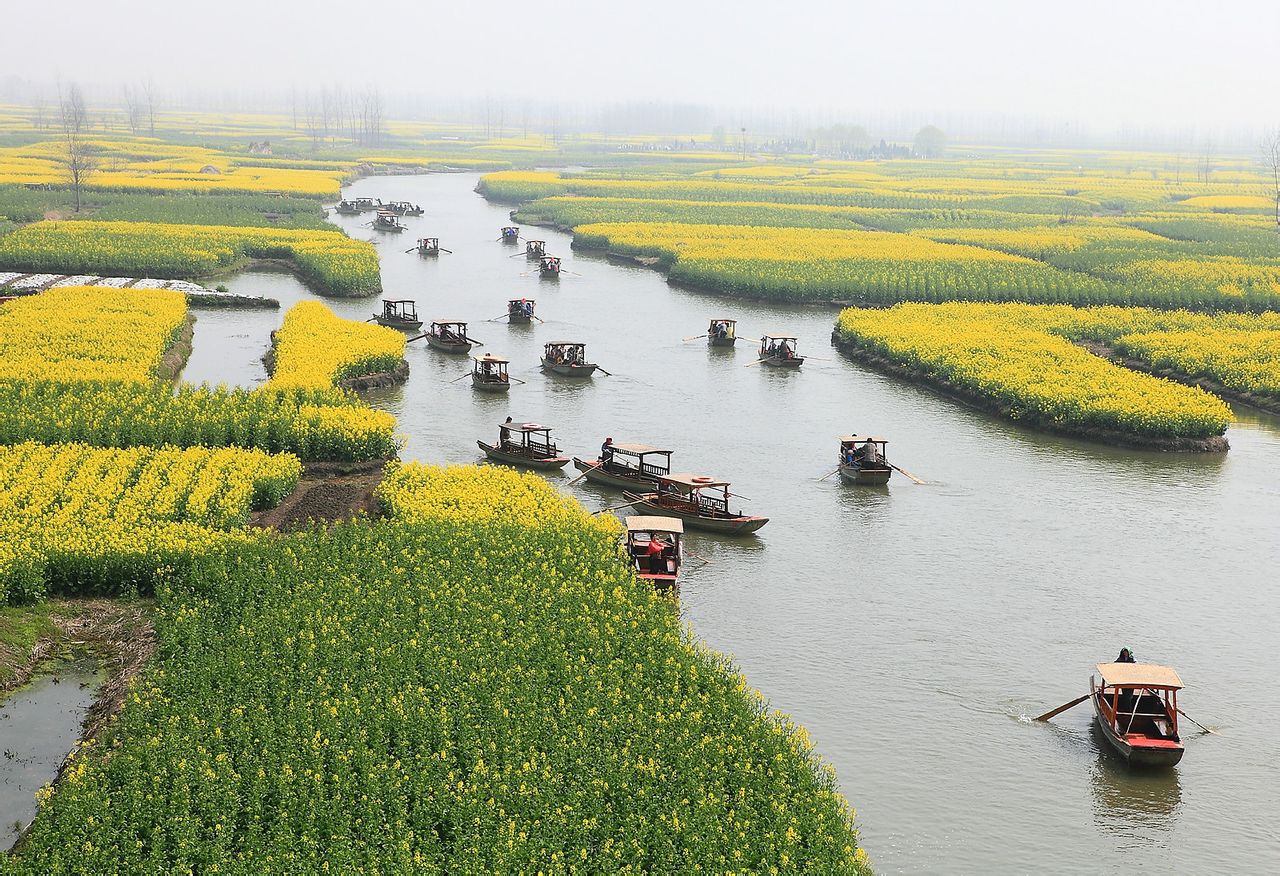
(449, 696)
(22, 204)
(84, 519)
(316, 349)
(78, 333)
(332, 261)
(312, 424)
(1011, 357)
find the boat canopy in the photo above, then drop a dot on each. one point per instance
(448, 322)
(1140, 675)
(655, 524)
(689, 479)
(727, 321)
(638, 449)
(524, 427)
(856, 439)
(565, 344)
(489, 357)
(773, 337)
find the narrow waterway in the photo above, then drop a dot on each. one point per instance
(912, 629)
(39, 724)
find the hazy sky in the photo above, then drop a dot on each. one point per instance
(1175, 63)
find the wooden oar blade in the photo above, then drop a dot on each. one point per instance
(1062, 708)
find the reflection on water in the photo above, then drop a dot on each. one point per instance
(1136, 805)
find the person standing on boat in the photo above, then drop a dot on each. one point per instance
(504, 435)
(657, 564)
(606, 453)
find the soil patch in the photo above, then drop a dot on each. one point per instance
(175, 358)
(1106, 351)
(328, 492)
(1214, 444)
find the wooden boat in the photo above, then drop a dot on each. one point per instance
(722, 333)
(568, 359)
(404, 208)
(385, 220)
(428, 246)
(630, 467)
(863, 461)
(549, 267)
(489, 374)
(526, 444)
(520, 310)
(347, 208)
(662, 568)
(1136, 707)
(449, 336)
(510, 234)
(366, 204)
(535, 249)
(779, 351)
(401, 314)
(698, 500)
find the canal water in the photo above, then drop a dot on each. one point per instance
(912, 629)
(39, 724)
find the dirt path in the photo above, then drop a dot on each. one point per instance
(327, 493)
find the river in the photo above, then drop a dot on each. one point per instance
(912, 629)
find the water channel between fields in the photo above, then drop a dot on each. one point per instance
(911, 628)
(39, 723)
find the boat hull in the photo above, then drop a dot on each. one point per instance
(413, 324)
(489, 385)
(864, 477)
(591, 471)
(713, 341)
(518, 320)
(1145, 754)
(454, 347)
(724, 525)
(566, 370)
(389, 229)
(775, 362)
(548, 464)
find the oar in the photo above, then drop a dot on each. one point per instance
(449, 251)
(749, 364)
(828, 474)
(575, 480)
(693, 337)
(416, 338)
(1197, 723)
(496, 318)
(411, 249)
(473, 341)
(538, 318)
(905, 472)
(1062, 708)
(742, 497)
(518, 380)
(602, 371)
(371, 319)
(614, 508)
(456, 379)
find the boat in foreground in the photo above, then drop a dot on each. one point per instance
(385, 220)
(655, 548)
(779, 351)
(401, 314)
(549, 267)
(698, 500)
(568, 359)
(1136, 707)
(629, 467)
(510, 234)
(489, 374)
(526, 444)
(863, 461)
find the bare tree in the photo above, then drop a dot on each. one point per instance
(1271, 162)
(1206, 162)
(134, 110)
(38, 109)
(149, 98)
(78, 156)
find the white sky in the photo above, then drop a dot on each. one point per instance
(1171, 63)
